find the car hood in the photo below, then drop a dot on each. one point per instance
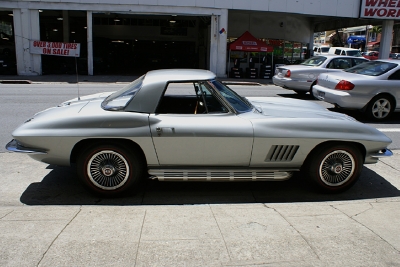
(293, 108)
(98, 96)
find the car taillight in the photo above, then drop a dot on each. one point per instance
(288, 73)
(344, 85)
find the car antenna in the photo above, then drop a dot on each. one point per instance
(77, 78)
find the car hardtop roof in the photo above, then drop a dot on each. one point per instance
(180, 75)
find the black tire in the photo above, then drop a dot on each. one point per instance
(109, 170)
(335, 168)
(311, 91)
(380, 108)
(300, 92)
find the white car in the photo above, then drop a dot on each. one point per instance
(301, 78)
(372, 87)
(345, 51)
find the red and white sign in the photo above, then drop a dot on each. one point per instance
(380, 9)
(55, 48)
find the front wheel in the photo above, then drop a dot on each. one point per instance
(335, 168)
(380, 108)
(108, 170)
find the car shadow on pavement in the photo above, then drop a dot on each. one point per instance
(306, 96)
(61, 187)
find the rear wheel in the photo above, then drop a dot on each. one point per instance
(109, 170)
(380, 108)
(335, 168)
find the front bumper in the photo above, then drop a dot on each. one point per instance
(14, 146)
(384, 153)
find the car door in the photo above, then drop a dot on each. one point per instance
(207, 136)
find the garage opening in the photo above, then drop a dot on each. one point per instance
(126, 44)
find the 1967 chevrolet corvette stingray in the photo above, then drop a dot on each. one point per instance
(184, 125)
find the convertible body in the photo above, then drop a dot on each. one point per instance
(185, 125)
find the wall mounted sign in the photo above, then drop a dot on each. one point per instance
(380, 9)
(55, 48)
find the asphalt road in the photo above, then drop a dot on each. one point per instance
(19, 102)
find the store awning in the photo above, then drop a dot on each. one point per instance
(247, 42)
(356, 39)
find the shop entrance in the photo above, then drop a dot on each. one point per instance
(126, 44)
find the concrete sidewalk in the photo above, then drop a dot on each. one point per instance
(48, 219)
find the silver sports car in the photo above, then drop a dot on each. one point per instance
(301, 78)
(372, 87)
(184, 125)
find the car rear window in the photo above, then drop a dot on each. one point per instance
(372, 68)
(314, 61)
(119, 99)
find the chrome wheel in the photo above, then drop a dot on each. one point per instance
(337, 168)
(381, 108)
(108, 170)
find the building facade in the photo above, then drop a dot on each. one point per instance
(131, 36)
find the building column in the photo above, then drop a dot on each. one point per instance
(311, 40)
(26, 28)
(89, 29)
(222, 44)
(218, 43)
(386, 39)
(214, 44)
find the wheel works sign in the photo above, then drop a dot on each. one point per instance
(55, 48)
(380, 9)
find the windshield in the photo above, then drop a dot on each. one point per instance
(314, 61)
(240, 104)
(372, 68)
(354, 53)
(119, 99)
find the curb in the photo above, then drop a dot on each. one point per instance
(15, 82)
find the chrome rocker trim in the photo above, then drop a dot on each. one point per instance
(384, 153)
(14, 146)
(219, 175)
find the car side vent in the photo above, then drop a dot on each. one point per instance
(281, 153)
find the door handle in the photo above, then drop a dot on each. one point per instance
(161, 130)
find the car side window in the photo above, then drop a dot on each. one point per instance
(357, 61)
(340, 63)
(189, 98)
(395, 76)
(337, 51)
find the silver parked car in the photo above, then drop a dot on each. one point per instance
(184, 125)
(372, 87)
(301, 78)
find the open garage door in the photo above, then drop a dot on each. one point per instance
(128, 44)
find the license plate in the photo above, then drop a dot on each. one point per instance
(321, 94)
